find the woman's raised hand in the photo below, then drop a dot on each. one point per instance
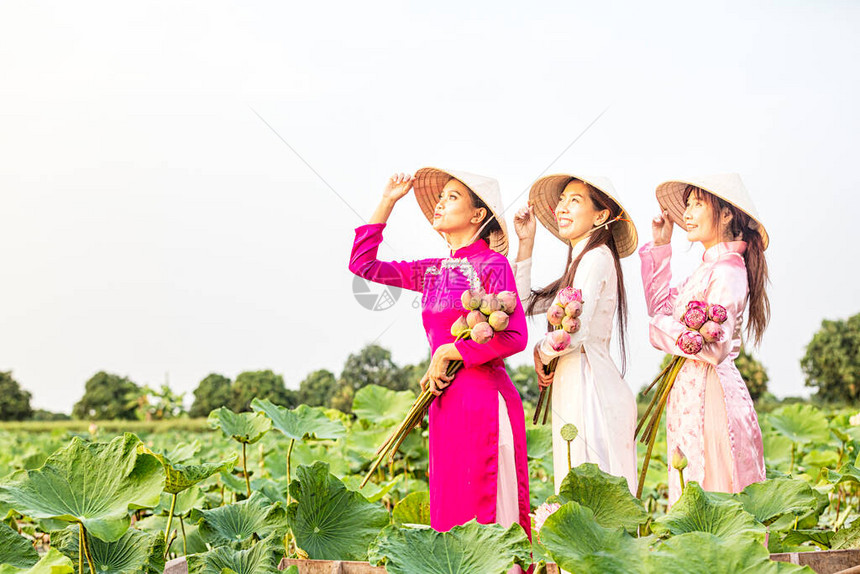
(661, 228)
(398, 185)
(524, 222)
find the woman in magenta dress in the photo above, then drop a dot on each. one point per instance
(478, 463)
(710, 415)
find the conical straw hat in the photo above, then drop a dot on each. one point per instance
(546, 192)
(429, 182)
(726, 186)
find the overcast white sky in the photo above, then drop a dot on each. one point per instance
(152, 224)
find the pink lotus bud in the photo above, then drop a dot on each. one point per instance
(717, 313)
(555, 314)
(570, 324)
(482, 332)
(679, 459)
(508, 300)
(559, 340)
(573, 309)
(489, 304)
(475, 317)
(459, 326)
(690, 342)
(569, 294)
(695, 317)
(700, 304)
(470, 300)
(711, 332)
(543, 512)
(499, 321)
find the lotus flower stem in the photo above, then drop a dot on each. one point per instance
(245, 468)
(545, 394)
(665, 381)
(548, 404)
(80, 549)
(85, 551)
(184, 540)
(170, 516)
(791, 465)
(289, 455)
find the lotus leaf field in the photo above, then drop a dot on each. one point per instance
(278, 482)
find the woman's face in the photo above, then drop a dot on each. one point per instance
(699, 221)
(454, 211)
(576, 213)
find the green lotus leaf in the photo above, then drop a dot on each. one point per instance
(15, 550)
(183, 451)
(178, 477)
(136, 552)
(800, 423)
(237, 522)
(193, 542)
(846, 473)
(329, 521)
(414, 509)
(246, 428)
(465, 549)
(821, 538)
(607, 496)
(382, 406)
(705, 553)
(258, 559)
(847, 537)
(574, 540)
(301, 422)
(695, 511)
(186, 501)
(53, 562)
(233, 483)
(777, 450)
(539, 440)
(305, 455)
(92, 483)
(372, 491)
(771, 499)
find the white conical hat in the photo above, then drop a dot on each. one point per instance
(429, 182)
(726, 186)
(544, 197)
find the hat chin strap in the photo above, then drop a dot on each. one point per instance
(474, 237)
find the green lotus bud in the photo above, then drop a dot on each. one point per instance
(489, 304)
(499, 320)
(459, 326)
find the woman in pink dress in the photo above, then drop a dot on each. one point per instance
(710, 414)
(478, 461)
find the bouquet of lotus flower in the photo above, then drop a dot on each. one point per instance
(563, 317)
(703, 326)
(485, 315)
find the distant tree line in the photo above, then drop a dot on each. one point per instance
(831, 366)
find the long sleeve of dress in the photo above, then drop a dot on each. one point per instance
(592, 275)
(523, 275)
(657, 277)
(363, 261)
(726, 286)
(504, 343)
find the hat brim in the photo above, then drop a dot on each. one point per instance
(428, 184)
(670, 196)
(544, 196)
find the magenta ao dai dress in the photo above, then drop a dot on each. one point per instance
(709, 414)
(478, 460)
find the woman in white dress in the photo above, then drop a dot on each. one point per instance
(587, 388)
